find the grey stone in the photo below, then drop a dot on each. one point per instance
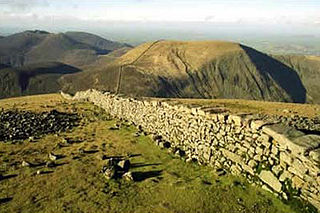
(315, 155)
(25, 164)
(272, 181)
(252, 163)
(297, 182)
(128, 176)
(53, 157)
(285, 175)
(109, 172)
(124, 165)
(229, 155)
(276, 169)
(285, 136)
(285, 157)
(307, 142)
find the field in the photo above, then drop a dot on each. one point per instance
(163, 182)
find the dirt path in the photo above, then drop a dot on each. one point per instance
(118, 87)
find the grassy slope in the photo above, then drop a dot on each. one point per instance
(61, 48)
(73, 48)
(33, 79)
(207, 69)
(308, 68)
(95, 41)
(239, 106)
(166, 183)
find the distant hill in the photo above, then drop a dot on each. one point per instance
(73, 48)
(39, 78)
(207, 69)
(96, 41)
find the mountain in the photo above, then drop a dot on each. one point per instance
(14, 47)
(175, 69)
(73, 48)
(201, 69)
(308, 69)
(96, 41)
(39, 78)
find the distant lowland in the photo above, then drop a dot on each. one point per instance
(38, 62)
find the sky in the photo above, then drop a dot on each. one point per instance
(161, 16)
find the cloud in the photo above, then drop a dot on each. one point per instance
(22, 5)
(208, 18)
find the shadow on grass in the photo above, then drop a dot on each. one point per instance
(141, 176)
(138, 165)
(5, 200)
(121, 156)
(46, 172)
(90, 151)
(7, 177)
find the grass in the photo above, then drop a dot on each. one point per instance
(164, 183)
(238, 106)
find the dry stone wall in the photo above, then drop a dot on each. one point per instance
(279, 158)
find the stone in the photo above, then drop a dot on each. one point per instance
(271, 180)
(128, 176)
(236, 144)
(298, 168)
(276, 170)
(257, 158)
(50, 164)
(229, 155)
(259, 151)
(53, 157)
(274, 150)
(21, 125)
(285, 136)
(297, 182)
(124, 165)
(235, 169)
(307, 142)
(248, 169)
(109, 172)
(265, 140)
(285, 175)
(257, 124)
(315, 155)
(236, 119)
(284, 157)
(252, 163)
(25, 164)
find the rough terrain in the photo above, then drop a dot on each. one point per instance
(73, 183)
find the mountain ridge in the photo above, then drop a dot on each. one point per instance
(32, 47)
(165, 68)
(210, 69)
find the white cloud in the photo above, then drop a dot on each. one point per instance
(23, 5)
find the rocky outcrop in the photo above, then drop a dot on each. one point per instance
(275, 156)
(20, 125)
